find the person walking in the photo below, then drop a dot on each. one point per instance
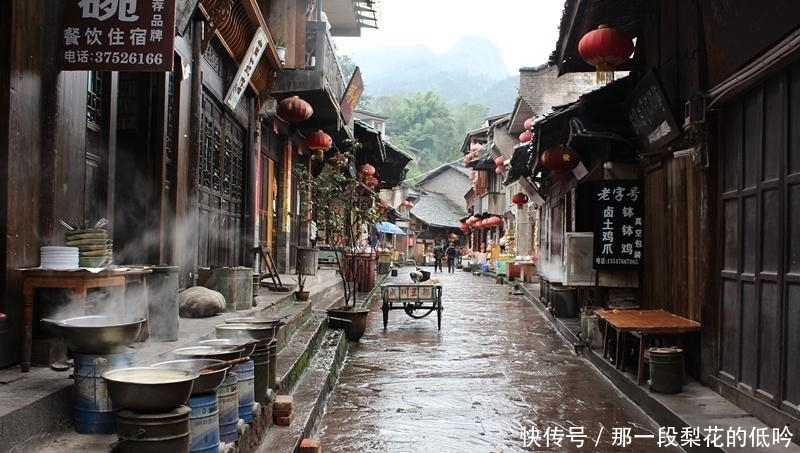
(451, 258)
(438, 252)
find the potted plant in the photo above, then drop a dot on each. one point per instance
(346, 210)
(301, 294)
(280, 47)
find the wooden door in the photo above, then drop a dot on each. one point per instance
(759, 166)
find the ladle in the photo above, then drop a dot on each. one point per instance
(225, 364)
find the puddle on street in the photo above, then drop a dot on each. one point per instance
(496, 378)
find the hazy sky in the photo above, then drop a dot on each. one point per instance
(525, 31)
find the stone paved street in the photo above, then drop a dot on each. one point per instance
(496, 378)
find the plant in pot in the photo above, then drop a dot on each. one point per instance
(301, 294)
(280, 48)
(344, 210)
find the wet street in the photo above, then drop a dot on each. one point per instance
(496, 378)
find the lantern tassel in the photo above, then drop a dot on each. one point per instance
(604, 74)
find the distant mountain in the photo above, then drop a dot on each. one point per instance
(471, 72)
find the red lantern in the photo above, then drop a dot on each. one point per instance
(499, 170)
(463, 227)
(560, 159)
(500, 161)
(472, 220)
(367, 170)
(519, 199)
(319, 140)
(371, 181)
(528, 123)
(294, 110)
(525, 136)
(605, 48)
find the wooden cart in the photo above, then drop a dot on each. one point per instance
(418, 300)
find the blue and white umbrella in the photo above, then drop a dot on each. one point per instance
(388, 227)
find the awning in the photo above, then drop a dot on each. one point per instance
(387, 227)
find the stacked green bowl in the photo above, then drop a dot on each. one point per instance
(94, 247)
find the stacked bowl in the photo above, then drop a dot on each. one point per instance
(93, 245)
(58, 258)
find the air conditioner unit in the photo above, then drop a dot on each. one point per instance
(578, 253)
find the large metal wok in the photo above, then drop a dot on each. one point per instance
(97, 334)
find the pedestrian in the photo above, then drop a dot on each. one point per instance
(438, 253)
(451, 258)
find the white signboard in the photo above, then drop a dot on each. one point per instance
(246, 69)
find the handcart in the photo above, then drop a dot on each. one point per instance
(418, 300)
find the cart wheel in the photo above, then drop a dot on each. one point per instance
(385, 309)
(439, 315)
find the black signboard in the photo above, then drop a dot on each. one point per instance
(122, 35)
(650, 116)
(618, 224)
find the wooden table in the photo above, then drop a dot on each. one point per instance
(644, 324)
(79, 281)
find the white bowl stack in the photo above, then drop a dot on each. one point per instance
(58, 258)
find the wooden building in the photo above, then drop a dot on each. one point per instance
(180, 149)
(704, 126)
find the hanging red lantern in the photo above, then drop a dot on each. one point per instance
(519, 199)
(500, 161)
(367, 170)
(605, 48)
(371, 181)
(319, 140)
(525, 136)
(294, 109)
(560, 159)
(471, 221)
(499, 170)
(528, 123)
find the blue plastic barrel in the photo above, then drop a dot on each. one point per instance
(204, 423)
(93, 410)
(228, 403)
(246, 391)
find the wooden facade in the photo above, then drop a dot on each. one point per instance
(720, 197)
(182, 178)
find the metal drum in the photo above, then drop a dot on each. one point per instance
(228, 404)
(92, 407)
(245, 391)
(159, 432)
(260, 374)
(204, 423)
(235, 283)
(273, 364)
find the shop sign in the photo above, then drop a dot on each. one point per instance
(650, 116)
(118, 35)
(618, 223)
(351, 95)
(246, 69)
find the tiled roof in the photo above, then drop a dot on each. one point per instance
(437, 210)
